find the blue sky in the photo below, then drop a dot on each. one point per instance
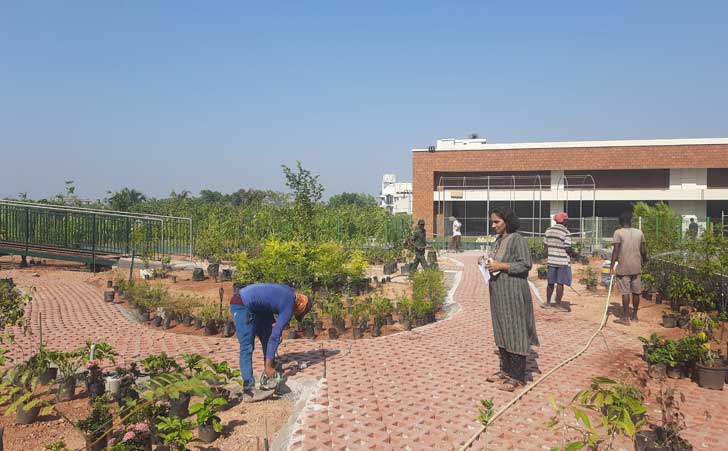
(163, 96)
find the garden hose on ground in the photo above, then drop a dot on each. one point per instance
(510, 403)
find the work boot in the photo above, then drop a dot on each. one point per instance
(255, 395)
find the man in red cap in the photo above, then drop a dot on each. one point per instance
(557, 243)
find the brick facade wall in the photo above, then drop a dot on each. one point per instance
(425, 164)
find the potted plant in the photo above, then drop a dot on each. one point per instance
(175, 432)
(648, 285)
(619, 407)
(711, 370)
(228, 326)
(67, 363)
(137, 436)
(542, 271)
(649, 345)
(209, 316)
(590, 278)
(19, 389)
(208, 422)
(96, 425)
(293, 329)
(669, 320)
(159, 364)
(665, 436)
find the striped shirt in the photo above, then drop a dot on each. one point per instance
(558, 239)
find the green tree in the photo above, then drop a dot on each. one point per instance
(359, 200)
(125, 199)
(660, 224)
(307, 192)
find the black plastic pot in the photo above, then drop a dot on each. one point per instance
(180, 407)
(95, 389)
(67, 389)
(213, 269)
(309, 332)
(683, 321)
(675, 372)
(388, 320)
(333, 333)
(206, 433)
(167, 323)
(188, 320)
(48, 376)
(407, 324)
(657, 370)
(228, 329)
(376, 330)
(542, 275)
(109, 295)
(198, 323)
(712, 378)
(292, 334)
(357, 333)
(29, 416)
(210, 329)
(143, 314)
(653, 440)
(198, 275)
(658, 298)
(227, 275)
(157, 321)
(669, 321)
(174, 278)
(109, 284)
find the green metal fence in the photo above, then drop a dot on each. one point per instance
(98, 232)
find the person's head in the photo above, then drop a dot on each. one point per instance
(625, 219)
(561, 218)
(302, 305)
(421, 223)
(692, 219)
(503, 220)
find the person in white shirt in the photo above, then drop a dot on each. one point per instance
(455, 244)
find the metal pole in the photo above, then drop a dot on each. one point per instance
(93, 244)
(27, 230)
(190, 239)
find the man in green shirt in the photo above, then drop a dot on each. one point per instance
(419, 240)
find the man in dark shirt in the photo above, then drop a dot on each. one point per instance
(253, 309)
(419, 240)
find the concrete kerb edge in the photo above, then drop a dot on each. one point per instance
(304, 389)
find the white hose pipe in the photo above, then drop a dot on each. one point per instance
(510, 403)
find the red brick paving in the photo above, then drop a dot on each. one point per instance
(416, 390)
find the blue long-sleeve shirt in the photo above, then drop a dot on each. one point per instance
(271, 298)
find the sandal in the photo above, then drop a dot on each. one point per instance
(510, 385)
(497, 377)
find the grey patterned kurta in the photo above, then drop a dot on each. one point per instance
(511, 307)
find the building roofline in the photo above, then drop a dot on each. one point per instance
(582, 144)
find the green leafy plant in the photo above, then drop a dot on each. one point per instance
(175, 432)
(205, 412)
(158, 364)
(98, 423)
(429, 287)
(619, 407)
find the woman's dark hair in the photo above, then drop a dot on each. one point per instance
(507, 215)
(625, 219)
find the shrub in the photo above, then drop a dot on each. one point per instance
(428, 286)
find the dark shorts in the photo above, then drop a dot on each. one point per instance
(559, 274)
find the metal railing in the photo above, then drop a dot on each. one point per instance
(97, 231)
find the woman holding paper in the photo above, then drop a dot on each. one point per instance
(511, 306)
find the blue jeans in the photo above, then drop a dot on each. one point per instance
(247, 326)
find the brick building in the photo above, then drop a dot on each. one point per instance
(466, 177)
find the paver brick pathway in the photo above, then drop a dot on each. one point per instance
(416, 390)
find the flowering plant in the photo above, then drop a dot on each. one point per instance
(136, 436)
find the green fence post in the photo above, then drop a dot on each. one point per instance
(93, 243)
(27, 230)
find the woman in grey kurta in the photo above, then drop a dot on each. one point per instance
(511, 306)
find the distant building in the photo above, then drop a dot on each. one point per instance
(466, 178)
(395, 196)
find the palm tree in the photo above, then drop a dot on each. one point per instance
(125, 199)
